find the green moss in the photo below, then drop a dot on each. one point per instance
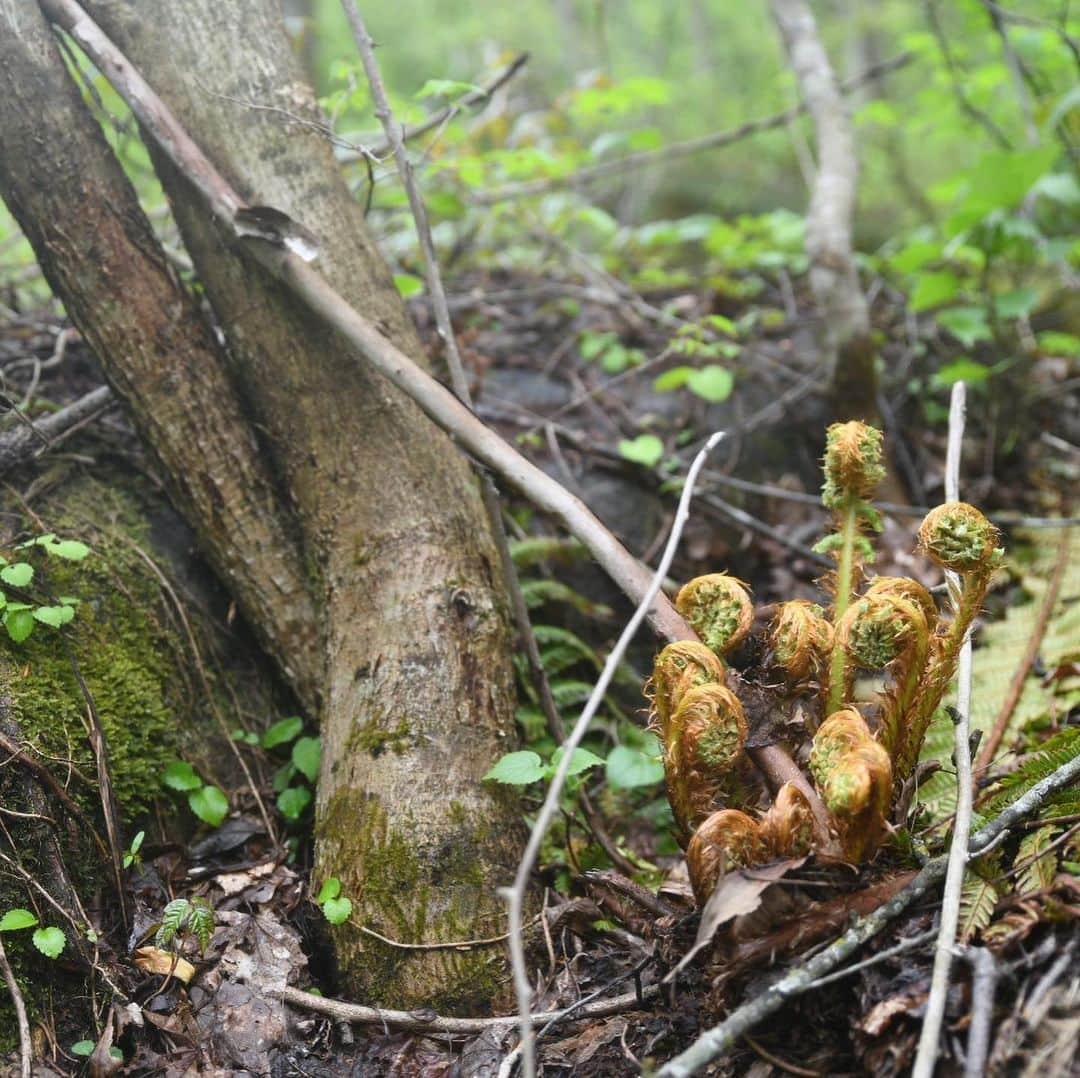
(401, 896)
(373, 738)
(116, 646)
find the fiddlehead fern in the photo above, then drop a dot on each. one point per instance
(719, 610)
(801, 639)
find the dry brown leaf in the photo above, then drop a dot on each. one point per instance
(164, 963)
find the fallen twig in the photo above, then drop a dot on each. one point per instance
(927, 1054)
(419, 1022)
(984, 977)
(721, 1038)
(37, 436)
(646, 158)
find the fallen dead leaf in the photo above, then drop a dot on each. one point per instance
(164, 963)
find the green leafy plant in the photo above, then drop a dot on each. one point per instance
(305, 755)
(335, 907)
(208, 802)
(20, 611)
(184, 919)
(525, 767)
(132, 855)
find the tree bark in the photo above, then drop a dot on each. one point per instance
(418, 680)
(99, 254)
(413, 670)
(833, 276)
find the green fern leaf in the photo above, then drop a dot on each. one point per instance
(978, 899)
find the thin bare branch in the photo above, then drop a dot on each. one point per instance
(516, 894)
(418, 1022)
(21, 1022)
(927, 1054)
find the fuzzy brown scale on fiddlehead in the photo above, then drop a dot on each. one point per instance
(787, 829)
(853, 463)
(885, 631)
(718, 608)
(854, 774)
(681, 666)
(727, 839)
(704, 744)
(800, 638)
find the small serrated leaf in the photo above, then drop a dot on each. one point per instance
(517, 769)
(16, 919)
(49, 941)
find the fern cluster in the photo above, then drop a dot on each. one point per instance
(859, 753)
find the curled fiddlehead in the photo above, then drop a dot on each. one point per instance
(726, 839)
(718, 608)
(681, 666)
(960, 539)
(704, 744)
(854, 776)
(800, 638)
(885, 630)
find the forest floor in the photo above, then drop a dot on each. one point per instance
(621, 443)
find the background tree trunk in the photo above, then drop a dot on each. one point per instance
(413, 669)
(833, 276)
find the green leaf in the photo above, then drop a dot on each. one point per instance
(17, 575)
(54, 615)
(1016, 304)
(82, 1048)
(1056, 343)
(282, 732)
(331, 888)
(712, 383)
(628, 768)
(15, 919)
(19, 623)
(408, 285)
(593, 344)
(934, 289)
(517, 769)
(446, 88)
(307, 754)
(68, 549)
(337, 910)
(961, 370)
(672, 379)
(210, 805)
(292, 802)
(915, 255)
(180, 775)
(967, 324)
(49, 941)
(645, 449)
(580, 760)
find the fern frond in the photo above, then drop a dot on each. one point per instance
(1054, 753)
(1040, 864)
(978, 899)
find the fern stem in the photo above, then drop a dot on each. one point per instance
(845, 572)
(941, 668)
